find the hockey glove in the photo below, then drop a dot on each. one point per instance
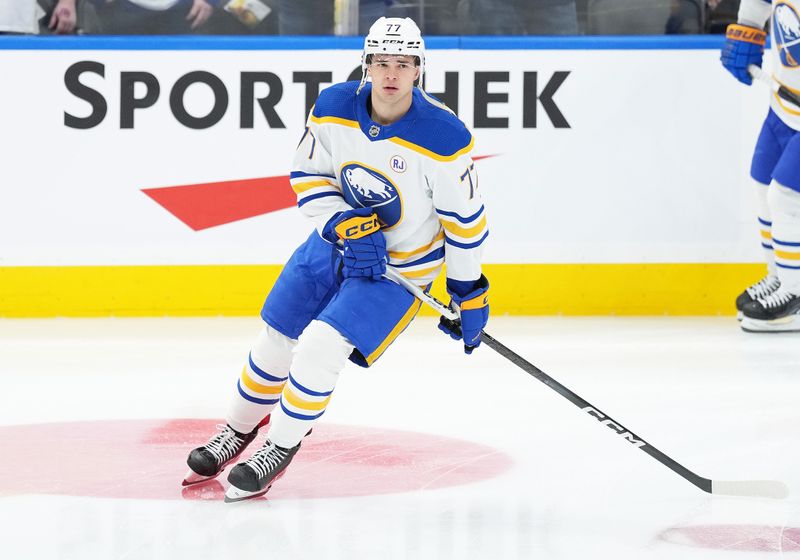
(743, 46)
(474, 311)
(364, 247)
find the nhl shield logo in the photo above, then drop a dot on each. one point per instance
(374, 130)
(786, 33)
(365, 187)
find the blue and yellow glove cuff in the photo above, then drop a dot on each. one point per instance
(357, 227)
(479, 301)
(746, 34)
(467, 296)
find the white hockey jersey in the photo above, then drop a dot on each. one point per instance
(417, 174)
(784, 16)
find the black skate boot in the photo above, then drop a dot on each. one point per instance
(777, 312)
(255, 476)
(210, 460)
(764, 287)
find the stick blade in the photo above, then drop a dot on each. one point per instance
(750, 488)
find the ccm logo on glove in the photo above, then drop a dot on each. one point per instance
(364, 252)
(358, 227)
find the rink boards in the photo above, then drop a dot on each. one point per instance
(148, 176)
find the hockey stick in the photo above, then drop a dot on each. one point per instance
(782, 91)
(753, 488)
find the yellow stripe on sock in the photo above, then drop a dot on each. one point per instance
(291, 397)
(260, 388)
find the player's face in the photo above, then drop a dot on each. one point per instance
(393, 76)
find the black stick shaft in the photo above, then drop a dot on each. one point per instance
(783, 92)
(450, 318)
(789, 95)
(702, 483)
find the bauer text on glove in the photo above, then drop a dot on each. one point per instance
(744, 45)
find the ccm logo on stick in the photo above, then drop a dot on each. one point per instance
(616, 427)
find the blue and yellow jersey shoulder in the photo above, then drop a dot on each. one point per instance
(429, 128)
(437, 131)
(336, 104)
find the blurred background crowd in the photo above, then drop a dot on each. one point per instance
(353, 17)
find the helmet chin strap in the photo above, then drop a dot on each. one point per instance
(363, 73)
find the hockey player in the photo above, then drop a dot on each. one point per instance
(385, 174)
(773, 303)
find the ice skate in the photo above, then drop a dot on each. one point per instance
(208, 461)
(255, 476)
(764, 287)
(778, 312)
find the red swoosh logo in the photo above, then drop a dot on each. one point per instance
(206, 205)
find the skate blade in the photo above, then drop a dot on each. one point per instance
(237, 494)
(784, 324)
(194, 478)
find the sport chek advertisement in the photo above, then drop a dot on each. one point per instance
(152, 157)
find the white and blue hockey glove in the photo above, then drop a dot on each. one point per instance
(743, 46)
(364, 247)
(473, 302)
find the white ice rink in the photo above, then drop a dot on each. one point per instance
(428, 455)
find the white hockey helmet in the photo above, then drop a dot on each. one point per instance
(393, 36)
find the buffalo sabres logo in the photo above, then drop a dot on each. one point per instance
(786, 33)
(365, 187)
(374, 130)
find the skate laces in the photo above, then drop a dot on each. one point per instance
(764, 287)
(775, 299)
(267, 459)
(225, 444)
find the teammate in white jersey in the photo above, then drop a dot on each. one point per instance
(385, 174)
(773, 303)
